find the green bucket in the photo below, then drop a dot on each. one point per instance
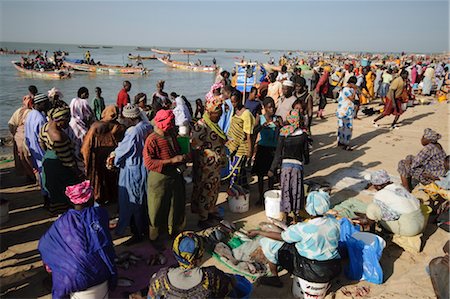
(185, 144)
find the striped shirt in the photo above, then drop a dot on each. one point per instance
(158, 148)
(64, 149)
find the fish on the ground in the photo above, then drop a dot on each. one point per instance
(269, 227)
(278, 223)
(224, 251)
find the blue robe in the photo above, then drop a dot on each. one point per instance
(79, 251)
(33, 124)
(132, 177)
(225, 119)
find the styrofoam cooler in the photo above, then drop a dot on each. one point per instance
(309, 290)
(239, 204)
(272, 203)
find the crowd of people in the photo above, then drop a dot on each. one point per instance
(43, 62)
(85, 154)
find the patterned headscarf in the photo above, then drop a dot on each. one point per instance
(379, 177)
(293, 118)
(187, 248)
(80, 193)
(53, 92)
(164, 120)
(59, 113)
(210, 95)
(317, 203)
(431, 135)
(214, 104)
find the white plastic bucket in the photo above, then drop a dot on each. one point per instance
(239, 204)
(272, 203)
(4, 211)
(309, 290)
(369, 238)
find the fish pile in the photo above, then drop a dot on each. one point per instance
(251, 267)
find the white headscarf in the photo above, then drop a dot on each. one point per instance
(181, 112)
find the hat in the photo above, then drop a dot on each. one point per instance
(431, 135)
(378, 177)
(317, 203)
(80, 193)
(288, 83)
(131, 111)
(40, 97)
(164, 120)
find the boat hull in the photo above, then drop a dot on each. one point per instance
(51, 75)
(105, 69)
(188, 67)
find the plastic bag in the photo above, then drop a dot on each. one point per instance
(364, 261)
(346, 230)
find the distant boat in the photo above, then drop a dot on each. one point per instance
(267, 52)
(142, 49)
(105, 69)
(185, 52)
(134, 57)
(53, 75)
(188, 67)
(232, 51)
(16, 52)
(107, 47)
(88, 47)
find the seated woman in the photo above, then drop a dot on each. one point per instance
(308, 249)
(427, 166)
(189, 280)
(78, 249)
(394, 207)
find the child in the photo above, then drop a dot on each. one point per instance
(268, 128)
(98, 103)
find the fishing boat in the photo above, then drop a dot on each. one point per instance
(267, 52)
(188, 66)
(232, 51)
(105, 69)
(88, 47)
(107, 47)
(54, 75)
(180, 52)
(134, 57)
(143, 49)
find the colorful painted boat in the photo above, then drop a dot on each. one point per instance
(53, 75)
(105, 69)
(188, 67)
(134, 57)
(88, 47)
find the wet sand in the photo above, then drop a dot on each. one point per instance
(22, 274)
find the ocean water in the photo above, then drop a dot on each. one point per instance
(193, 85)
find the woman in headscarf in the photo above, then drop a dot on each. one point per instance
(428, 78)
(394, 207)
(160, 98)
(22, 157)
(140, 100)
(291, 154)
(55, 96)
(189, 280)
(209, 157)
(345, 113)
(182, 116)
(59, 166)
(322, 90)
(163, 160)
(77, 249)
(132, 175)
(427, 166)
(101, 139)
(239, 142)
(308, 250)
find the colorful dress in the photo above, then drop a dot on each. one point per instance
(428, 162)
(165, 183)
(214, 284)
(209, 158)
(132, 177)
(345, 113)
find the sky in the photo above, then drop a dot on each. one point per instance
(374, 26)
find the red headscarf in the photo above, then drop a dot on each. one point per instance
(165, 120)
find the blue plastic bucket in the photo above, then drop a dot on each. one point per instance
(243, 287)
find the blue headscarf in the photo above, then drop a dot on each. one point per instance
(187, 247)
(317, 203)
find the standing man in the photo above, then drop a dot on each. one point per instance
(286, 100)
(33, 124)
(87, 56)
(393, 104)
(123, 98)
(322, 90)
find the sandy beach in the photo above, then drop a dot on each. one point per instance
(23, 276)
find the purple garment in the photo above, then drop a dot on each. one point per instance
(292, 189)
(33, 124)
(79, 251)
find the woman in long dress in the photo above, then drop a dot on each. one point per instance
(209, 157)
(101, 139)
